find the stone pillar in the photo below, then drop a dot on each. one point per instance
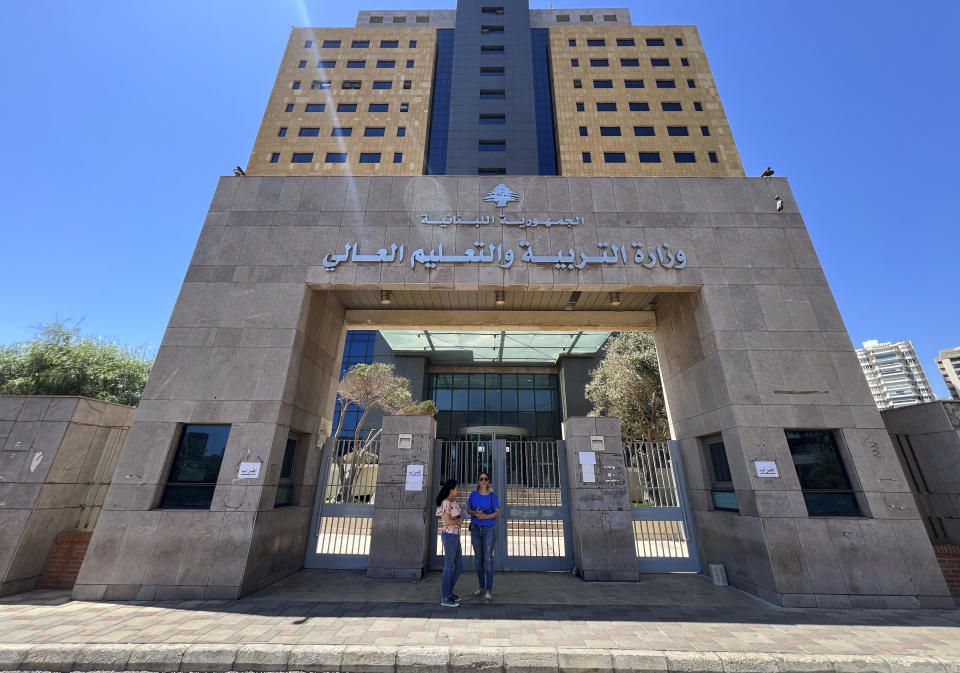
(403, 523)
(603, 542)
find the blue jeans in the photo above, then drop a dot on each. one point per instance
(452, 563)
(483, 538)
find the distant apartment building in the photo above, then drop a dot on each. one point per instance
(949, 365)
(894, 374)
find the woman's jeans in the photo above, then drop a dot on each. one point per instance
(452, 563)
(483, 538)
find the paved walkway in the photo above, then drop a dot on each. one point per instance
(555, 615)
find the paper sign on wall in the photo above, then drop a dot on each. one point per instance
(249, 470)
(414, 481)
(766, 468)
(588, 475)
(588, 458)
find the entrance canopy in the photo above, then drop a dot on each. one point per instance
(494, 346)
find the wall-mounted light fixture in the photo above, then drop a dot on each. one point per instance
(500, 300)
(385, 297)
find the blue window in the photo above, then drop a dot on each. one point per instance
(649, 157)
(691, 84)
(678, 41)
(639, 107)
(357, 348)
(409, 64)
(360, 44)
(543, 102)
(630, 62)
(606, 107)
(685, 62)
(289, 107)
(309, 131)
(705, 131)
(625, 42)
(492, 94)
(401, 131)
(677, 131)
(308, 44)
(684, 158)
(374, 131)
(356, 64)
(331, 44)
(397, 157)
(579, 107)
(303, 64)
(389, 44)
(666, 84)
(614, 158)
(671, 107)
(296, 85)
(571, 43)
(597, 43)
(341, 132)
(317, 84)
(386, 64)
(599, 63)
(660, 62)
(491, 49)
(491, 72)
(633, 83)
(654, 42)
(583, 130)
(493, 119)
(603, 84)
(586, 157)
(302, 157)
(383, 85)
(609, 130)
(282, 132)
(698, 106)
(336, 157)
(346, 107)
(492, 145)
(275, 158)
(440, 104)
(315, 107)
(326, 64)
(491, 171)
(379, 107)
(413, 44)
(574, 63)
(643, 131)
(369, 157)
(713, 157)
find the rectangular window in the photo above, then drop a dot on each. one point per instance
(487, 30)
(491, 72)
(585, 156)
(705, 131)
(606, 107)
(389, 44)
(678, 42)
(685, 62)
(399, 19)
(722, 493)
(346, 107)
(413, 43)
(563, 18)
(386, 64)
(609, 17)
(583, 131)
(603, 84)
(655, 42)
(492, 94)
(643, 131)
(659, 62)
(420, 19)
(309, 131)
(296, 85)
(614, 158)
(369, 157)
(633, 83)
(336, 157)
(383, 85)
(492, 11)
(356, 64)
(691, 84)
(713, 157)
(574, 63)
(493, 119)
(666, 84)
(326, 64)
(684, 158)
(491, 49)
(374, 131)
(492, 171)
(376, 19)
(649, 157)
(597, 43)
(285, 484)
(600, 62)
(350, 84)
(586, 18)
(379, 107)
(671, 107)
(492, 145)
(404, 107)
(677, 131)
(275, 158)
(577, 84)
(397, 157)
(303, 64)
(698, 106)
(289, 107)
(409, 64)
(341, 132)
(407, 84)
(331, 44)
(302, 157)
(579, 107)
(571, 43)
(630, 62)
(639, 107)
(315, 107)
(360, 44)
(317, 84)
(195, 468)
(625, 42)
(401, 131)
(823, 479)
(308, 44)
(609, 130)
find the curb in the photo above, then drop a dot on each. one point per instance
(267, 658)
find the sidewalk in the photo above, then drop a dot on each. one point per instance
(344, 621)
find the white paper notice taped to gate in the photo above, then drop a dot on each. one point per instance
(414, 480)
(588, 475)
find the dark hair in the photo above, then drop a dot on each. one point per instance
(489, 478)
(445, 489)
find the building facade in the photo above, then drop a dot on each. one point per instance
(494, 190)
(949, 365)
(894, 374)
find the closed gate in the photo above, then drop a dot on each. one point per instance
(530, 480)
(662, 523)
(343, 511)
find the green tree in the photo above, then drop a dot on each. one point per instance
(59, 361)
(627, 384)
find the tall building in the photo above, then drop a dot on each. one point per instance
(949, 365)
(894, 374)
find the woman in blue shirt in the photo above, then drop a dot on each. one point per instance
(483, 508)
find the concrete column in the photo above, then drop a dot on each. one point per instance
(403, 522)
(603, 543)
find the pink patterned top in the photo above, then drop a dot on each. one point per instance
(452, 508)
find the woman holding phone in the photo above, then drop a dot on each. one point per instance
(483, 508)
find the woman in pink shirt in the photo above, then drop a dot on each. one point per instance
(448, 510)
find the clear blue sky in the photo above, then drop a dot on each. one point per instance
(117, 118)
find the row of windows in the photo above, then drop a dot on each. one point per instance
(633, 84)
(359, 44)
(668, 106)
(628, 62)
(335, 158)
(347, 107)
(369, 131)
(400, 19)
(328, 65)
(649, 157)
(351, 84)
(585, 18)
(627, 42)
(646, 131)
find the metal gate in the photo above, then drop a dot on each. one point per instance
(343, 511)
(662, 523)
(530, 480)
